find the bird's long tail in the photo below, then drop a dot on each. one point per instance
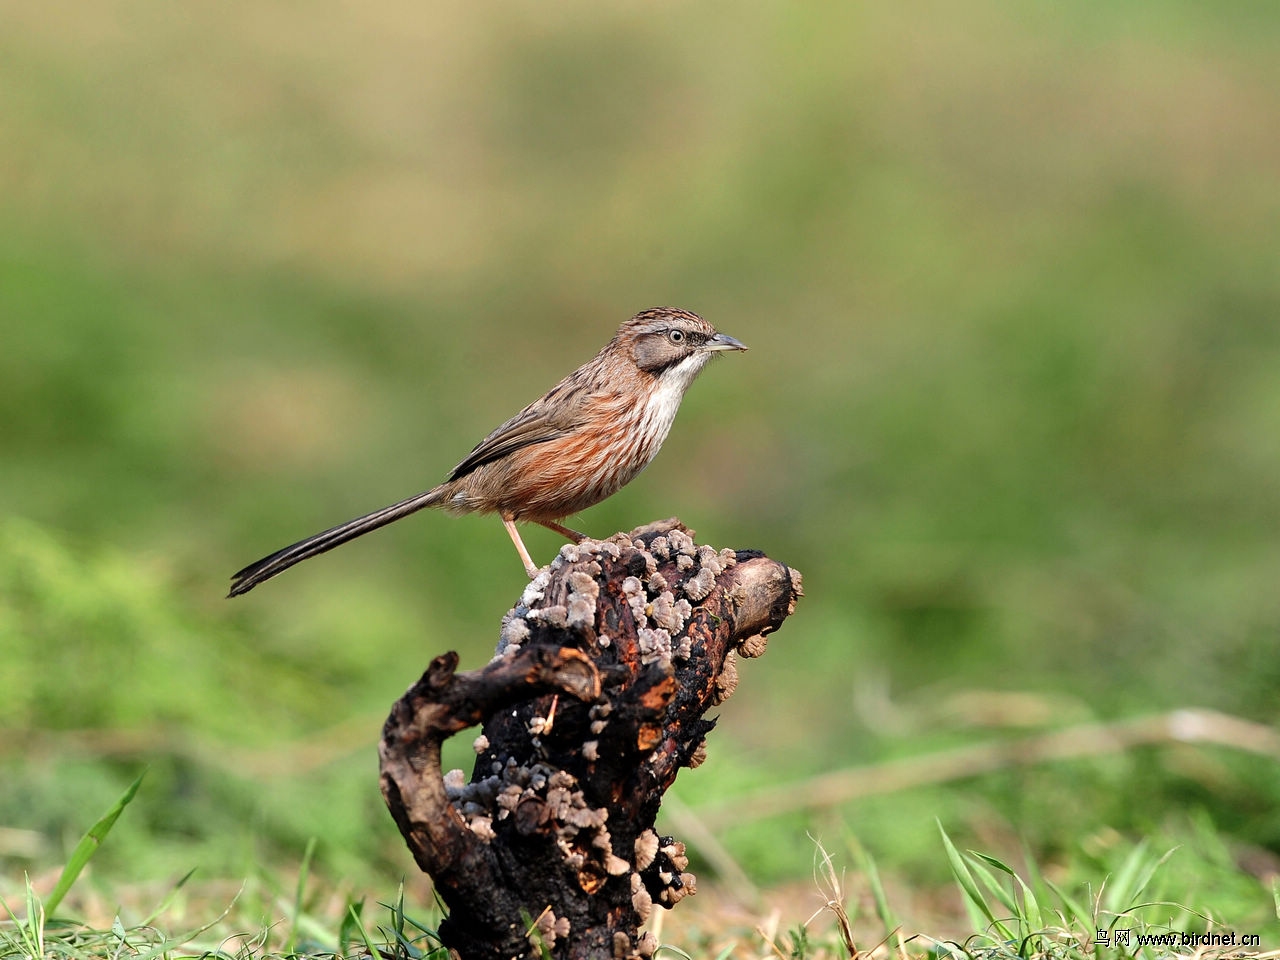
(268, 567)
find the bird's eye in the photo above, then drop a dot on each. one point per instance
(675, 336)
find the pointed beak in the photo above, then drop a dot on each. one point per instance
(723, 341)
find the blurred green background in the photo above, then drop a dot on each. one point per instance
(1010, 273)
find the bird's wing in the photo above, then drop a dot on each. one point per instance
(536, 423)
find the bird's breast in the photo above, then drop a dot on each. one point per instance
(560, 477)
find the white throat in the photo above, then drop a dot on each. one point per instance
(672, 383)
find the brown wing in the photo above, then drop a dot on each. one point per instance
(537, 423)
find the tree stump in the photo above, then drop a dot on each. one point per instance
(593, 702)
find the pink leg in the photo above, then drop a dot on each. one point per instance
(529, 568)
(564, 531)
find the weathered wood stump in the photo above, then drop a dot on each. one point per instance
(594, 701)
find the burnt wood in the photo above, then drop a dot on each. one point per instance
(594, 701)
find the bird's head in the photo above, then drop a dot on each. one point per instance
(672, 344)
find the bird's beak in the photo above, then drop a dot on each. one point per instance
(723, 341)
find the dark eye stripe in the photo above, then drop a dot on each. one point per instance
(692, 338)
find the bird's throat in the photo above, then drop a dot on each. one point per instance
(672, 382)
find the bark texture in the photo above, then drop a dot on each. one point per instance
(594, 701)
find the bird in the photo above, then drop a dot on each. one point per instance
(579, 443)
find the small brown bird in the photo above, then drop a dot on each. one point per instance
(568, 450)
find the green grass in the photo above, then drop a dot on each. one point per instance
(1138, 907)
(289, 926)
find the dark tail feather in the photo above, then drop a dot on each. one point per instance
(268, 567)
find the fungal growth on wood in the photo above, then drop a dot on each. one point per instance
(592, 704)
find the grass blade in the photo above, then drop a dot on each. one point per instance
(964, 878)
(399, 924)
(89, 845)
(169, 897)
(1030, 905)
(1077, 914)
(1144, 879)
(351, 924)
(357, 924)
(31, 928)
(291, 946)
(1035, 880)
(1029, 914)
(888, 919)
(667, 948)
(994, 886)
(1122, 886)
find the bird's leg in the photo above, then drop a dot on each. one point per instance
(564, 531)
(529, 567)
